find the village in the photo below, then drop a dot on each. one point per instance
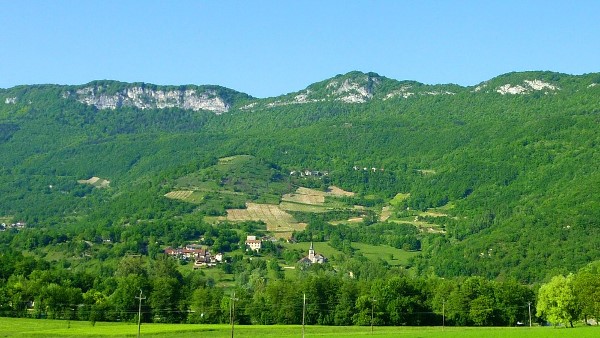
(203, 258)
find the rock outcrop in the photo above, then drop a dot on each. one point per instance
(150, 98)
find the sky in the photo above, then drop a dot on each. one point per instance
(268, 48)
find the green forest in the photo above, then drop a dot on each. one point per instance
(481, 202)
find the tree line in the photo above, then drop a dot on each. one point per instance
(353, 293)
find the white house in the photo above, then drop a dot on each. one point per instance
(253, 243)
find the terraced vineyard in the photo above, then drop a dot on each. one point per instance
(278, 221)
(180, 194)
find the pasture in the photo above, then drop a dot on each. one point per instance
(393, 256)
(13, 327)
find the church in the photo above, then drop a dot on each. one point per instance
(313, 257)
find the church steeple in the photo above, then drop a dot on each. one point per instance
(311, 252)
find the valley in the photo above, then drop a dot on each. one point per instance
(419, 194)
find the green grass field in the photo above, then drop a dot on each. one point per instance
(392, 255)
(13, 327)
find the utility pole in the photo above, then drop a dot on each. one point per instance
(529, 306)
(372, 308)
(303, 312)
(140, 311)
(232, 313)
(443, 315)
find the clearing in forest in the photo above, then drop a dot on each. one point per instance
(427, 171)
(423, 226)
(96, 182)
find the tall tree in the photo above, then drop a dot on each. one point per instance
(557, 302)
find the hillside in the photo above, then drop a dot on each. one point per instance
(506, 171)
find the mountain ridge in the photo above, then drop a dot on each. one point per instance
(352, 87)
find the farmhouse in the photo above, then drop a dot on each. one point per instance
(313, 258)
(253, 244)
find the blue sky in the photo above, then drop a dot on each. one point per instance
(267, 48)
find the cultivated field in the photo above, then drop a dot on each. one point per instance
(190, 196)
(179, 194)
(11, 327)
(293, 206)
(311, 200)
(304, 198)
(335, 191)
(277, 220)
(314, 197)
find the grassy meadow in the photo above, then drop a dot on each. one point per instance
(13, 327)
(392, 255)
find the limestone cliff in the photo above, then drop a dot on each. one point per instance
(112, 96)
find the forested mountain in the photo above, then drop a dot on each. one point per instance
(507, 170)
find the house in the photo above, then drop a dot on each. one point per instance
(253, 243)
(313, 258)
(18, 226)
